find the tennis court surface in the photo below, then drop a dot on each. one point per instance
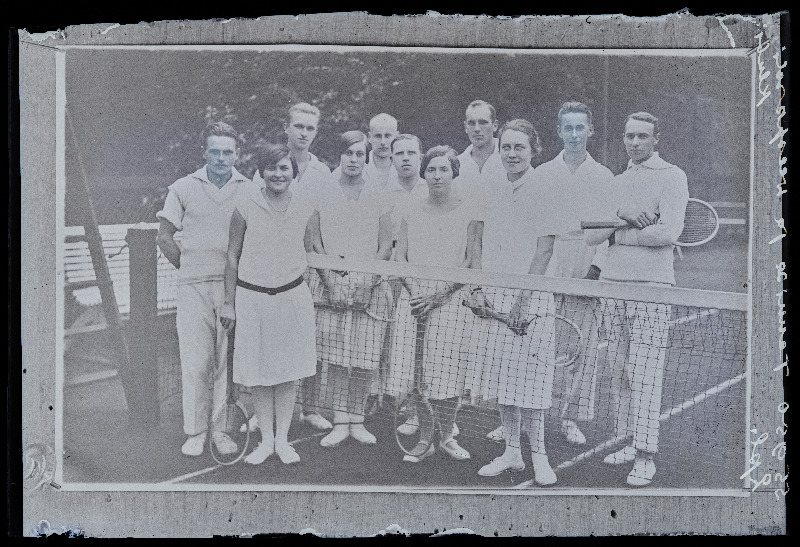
(701, 418)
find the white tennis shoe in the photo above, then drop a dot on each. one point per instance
(506, 462)
(360, 433)
(315, 420)
(571, 431)
(287, 453)
(416, 459)
(252, 425)
(410, 426)
(644, 469)
(340, 432)
(542, 472)
(194, 445)
(627, 454)
(496, 435)
(224, 444)
(261, 453)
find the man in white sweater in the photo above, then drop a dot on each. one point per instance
(651, 196)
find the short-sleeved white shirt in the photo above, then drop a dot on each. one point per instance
(509, 242)
(202, 213)
(273, 252)
(349, 227)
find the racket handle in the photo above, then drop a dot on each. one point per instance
(602, 224)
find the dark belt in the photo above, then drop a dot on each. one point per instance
(277, 290)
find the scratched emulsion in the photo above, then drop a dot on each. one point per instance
(346, 513)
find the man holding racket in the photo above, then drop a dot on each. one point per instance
(577, 182)
(651, 196)
(200, 206)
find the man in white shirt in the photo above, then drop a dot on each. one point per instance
(301, 130)
(312, 179)
(482, 175)
(382, 132)
(576, 185)
(200, 206)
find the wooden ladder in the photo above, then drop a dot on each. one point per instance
(108, 300)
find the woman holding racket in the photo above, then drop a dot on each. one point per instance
(522, 359)
(354, 222)
(268, 302)
(441, 229)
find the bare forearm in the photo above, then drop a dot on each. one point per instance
(170, 249)
(231, 276)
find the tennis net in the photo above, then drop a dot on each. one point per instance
(607, 365)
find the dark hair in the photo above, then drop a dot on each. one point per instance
(439, 152)
(407, 137)
(523, 126)
(644, 117)
(219, 129)
(349, 138)
(268, 156)
(576, 108)
(478, 103)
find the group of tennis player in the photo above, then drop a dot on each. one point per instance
(242, 262)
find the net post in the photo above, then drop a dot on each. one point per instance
(142, 334)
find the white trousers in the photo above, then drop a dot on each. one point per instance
(638, 335)
(203, 347)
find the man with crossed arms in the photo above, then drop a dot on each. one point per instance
(651, 196)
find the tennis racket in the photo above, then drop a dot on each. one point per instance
(229, 421)
(700, 224)
(568, 338)
(416, 403)
(381, 303)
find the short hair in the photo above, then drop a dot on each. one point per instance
(438, 152)
(383, 117)
(644, 117)
(407, 137)
(304, 108)
(576, 108)
(219, 129)
(479, 103)
(523, 126)
(349, 138)
(268, 156)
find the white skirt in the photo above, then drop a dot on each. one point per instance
(275, 337)
(521, 369)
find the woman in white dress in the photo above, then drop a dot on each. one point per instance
(354, 222)
(441, 230)
(522, 364)
(268, 302)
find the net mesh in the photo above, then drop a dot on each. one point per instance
(593, 367)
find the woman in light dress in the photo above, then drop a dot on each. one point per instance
(521, 365)
(354, 222)
(268, 302)
(441, 230)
